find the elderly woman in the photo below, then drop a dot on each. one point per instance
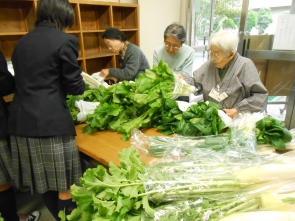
(178, 56)
(132, 60)
(229, 79)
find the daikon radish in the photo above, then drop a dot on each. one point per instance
(278, 202)
(266, 172)
(261, 216)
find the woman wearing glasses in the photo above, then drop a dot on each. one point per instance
(178, 56)
(229, 79)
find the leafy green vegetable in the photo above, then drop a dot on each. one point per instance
(272, 131)
(124, 107)
(112, 195)
(182, 146)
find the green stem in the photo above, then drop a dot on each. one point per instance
(242, 206)
(175, 190)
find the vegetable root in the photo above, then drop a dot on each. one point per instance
(261, 215)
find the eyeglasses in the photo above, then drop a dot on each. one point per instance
(173, 47)
(213, 54)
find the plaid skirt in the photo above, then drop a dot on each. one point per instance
(44, 164)
(5, 162)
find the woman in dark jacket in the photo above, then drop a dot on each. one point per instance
(44, 151)
(132, 60)
(8, 208)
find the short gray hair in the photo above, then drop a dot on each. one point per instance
(226, 40)
(176, 31)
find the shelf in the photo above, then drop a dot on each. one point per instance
(12, 33)
(7, 44)
(76, 26)
(94, 54)
(17, 16)
(95, 65)
(132, 36)
(125, 17)
(93, 43)
(92, 30)
(94, 17)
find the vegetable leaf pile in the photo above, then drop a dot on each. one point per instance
(148, 102)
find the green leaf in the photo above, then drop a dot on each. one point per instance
(188, 115)
(276, 142)
(147, 207)
(141, 98)
(143, 85)
(287, 137)
(88, 129)
(290, 200)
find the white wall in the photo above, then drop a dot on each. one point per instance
(154, 17)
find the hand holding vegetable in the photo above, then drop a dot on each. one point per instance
(179, 76)
(231, 112)
(104, 73)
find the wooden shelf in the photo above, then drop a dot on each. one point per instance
(95, 17)
(124, 17)
(17, 18)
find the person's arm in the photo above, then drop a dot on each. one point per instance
(197, 75)
(6, 79)
(132, 62)
(71, 71)
(187, 67)
(258, 94)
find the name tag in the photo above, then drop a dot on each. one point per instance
(217, 96)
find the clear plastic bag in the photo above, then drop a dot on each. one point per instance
(242, 133)
(182, 88)
(217, 184)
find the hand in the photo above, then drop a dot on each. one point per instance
(104, 73)
(231, 112)
(179, 76)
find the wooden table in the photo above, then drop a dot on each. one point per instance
(104, 146)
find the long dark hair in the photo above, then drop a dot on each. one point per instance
(57, 12)
(114, 33)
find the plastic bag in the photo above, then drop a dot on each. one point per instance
(182, 88)
(139, 141)
(216, 184)
(242, 132)
(85, 109)
(225, 118)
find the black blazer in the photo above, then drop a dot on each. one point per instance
(46, 70)
(6, 87)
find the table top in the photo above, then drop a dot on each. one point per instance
(104, 146)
